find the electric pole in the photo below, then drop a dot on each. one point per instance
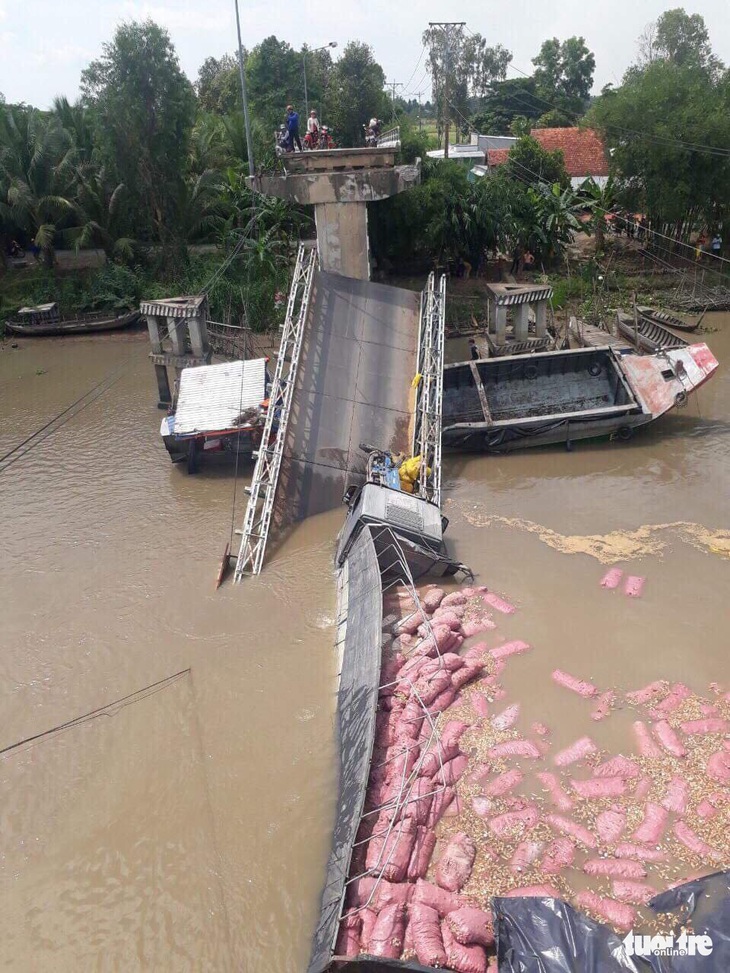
(451, 31)
(246, 119)
(418, 95)
(393, 85)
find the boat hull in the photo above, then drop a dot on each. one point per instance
(647, 335)
(664, 319)
(74, 326)
(500, 405)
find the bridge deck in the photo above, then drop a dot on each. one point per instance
(353, 385)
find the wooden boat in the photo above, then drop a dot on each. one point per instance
(647, 335)
(45, 321)
(501, 404)
(663, 318)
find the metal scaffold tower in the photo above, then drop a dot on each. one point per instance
(429, 397)
(262, 491)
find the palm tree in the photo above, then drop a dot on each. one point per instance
(102, 218)
(33, 159)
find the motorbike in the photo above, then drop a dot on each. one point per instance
(284, 142)
(319, 140)
(371, 137)
(16, 251)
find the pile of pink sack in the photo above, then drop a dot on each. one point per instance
(461, 806)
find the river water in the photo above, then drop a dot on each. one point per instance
(187, 829)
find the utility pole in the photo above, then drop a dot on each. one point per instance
(451, 29)
(246, 120)
(393, 85)
(420, 120)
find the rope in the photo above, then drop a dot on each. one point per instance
(123, 701)
(114, 375)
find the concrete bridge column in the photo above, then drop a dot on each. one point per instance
(500, 324)
(342, 239)
(540, 319)
(522, 321)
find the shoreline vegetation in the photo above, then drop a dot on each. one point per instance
(148, 169)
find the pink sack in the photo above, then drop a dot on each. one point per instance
(652, 827)
(423, 847)
(674, 700)
(507, 718)
(436, 898)
(503, 783)
(456, 862)
(571, 829)
(534, 891)
(452, 771)
(707, 725)
(494, 601)
(582, 748)
(433, 598)
(619, 915)
(469, 925)
(612, 578)
(348, 937)
(515, 748)
(615, 867)
(475, 626)
(695, 844)
(633, 893)
(388, 932)
(575, 685)
(610, 825)
(604, 705)
(455, 598)
(597, 787)
(460, 958)
(418, 802)
(618, 766)
(677, 795)
(559, 854)
(526, 854)
(480, 704)
(471, 670)
(639, 852)
(651, 692)
(718, 767)
(558, 796)
(515, 822)
(634, 586)
(647, 747)
(428, 942)
(509, 648)
(441, 800)
(669, 739)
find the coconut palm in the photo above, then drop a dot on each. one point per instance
(33, 159)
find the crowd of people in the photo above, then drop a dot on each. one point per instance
(317, 135)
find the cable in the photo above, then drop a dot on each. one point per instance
(423, 51)
(134, 697)
(114, 375)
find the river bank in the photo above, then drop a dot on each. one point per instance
(191, 829)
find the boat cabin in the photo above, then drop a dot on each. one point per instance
(217, 407)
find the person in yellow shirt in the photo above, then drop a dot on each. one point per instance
(409, 471)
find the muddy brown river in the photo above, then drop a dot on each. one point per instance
(187, 828)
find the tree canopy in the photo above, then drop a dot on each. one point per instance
(355, 93)
(564, 74)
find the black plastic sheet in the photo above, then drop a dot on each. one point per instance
(545, 935)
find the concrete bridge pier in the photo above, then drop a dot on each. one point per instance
(339, 183)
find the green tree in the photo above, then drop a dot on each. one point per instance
(219, 85)
(145, 109)
(531, 164)
(661, 126)
(564, 73)
(505, 101)
(275, 79)
(355, 93)
(462, 66)
(33, 178)
(684, 40)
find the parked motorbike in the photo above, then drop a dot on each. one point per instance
(371, 137)
(284, 142)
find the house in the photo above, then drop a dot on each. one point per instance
(583, 150)
(475, 151)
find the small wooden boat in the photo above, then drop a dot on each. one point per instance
(501, 404)
(663, 318)
(646, 335)
(45, 320)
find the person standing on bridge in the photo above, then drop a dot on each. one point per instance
(292, 125)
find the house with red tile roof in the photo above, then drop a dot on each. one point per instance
(583, 150)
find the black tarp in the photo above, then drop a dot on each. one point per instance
(549, 936)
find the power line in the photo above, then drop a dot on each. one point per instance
(418, 64)
(36, 438)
